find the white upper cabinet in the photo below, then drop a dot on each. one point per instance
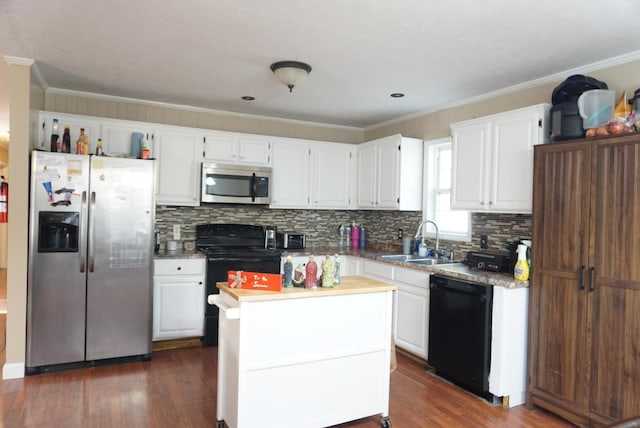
(290, 175)
(492, 166)
(179, 154)
(117, 136)
(332, 175)
(367, 169)
(312, 174)
(231, 147)
(390, 174)
(45, 122)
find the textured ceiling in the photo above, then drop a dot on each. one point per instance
(208, 53)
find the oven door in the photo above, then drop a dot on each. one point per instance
(217, 271)
(235, 184)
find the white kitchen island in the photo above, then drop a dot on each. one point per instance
(304, 357)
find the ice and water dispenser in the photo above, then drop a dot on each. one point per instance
(58, 232)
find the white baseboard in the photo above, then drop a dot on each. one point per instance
(517, 399)
(13, 371)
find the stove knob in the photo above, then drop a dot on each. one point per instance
(480, 265)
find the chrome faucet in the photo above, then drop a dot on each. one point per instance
(420, 233)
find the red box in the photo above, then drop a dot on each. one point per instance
(254, 280)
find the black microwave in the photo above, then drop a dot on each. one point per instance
(235, 184)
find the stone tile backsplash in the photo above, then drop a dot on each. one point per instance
(321, 226)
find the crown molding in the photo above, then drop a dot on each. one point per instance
(69, 92)
(39, 77)
(596, 66)
(16, 60)
(28, 62)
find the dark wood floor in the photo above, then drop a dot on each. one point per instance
(177, 388)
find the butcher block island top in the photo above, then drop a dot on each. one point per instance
(348, 285)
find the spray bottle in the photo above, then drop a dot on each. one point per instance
(521, 271)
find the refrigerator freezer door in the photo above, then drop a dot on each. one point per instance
(56, 278)
(120, 258)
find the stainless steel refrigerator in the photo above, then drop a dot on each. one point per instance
(90, 259)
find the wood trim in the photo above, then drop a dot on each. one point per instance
(560, 411)
(163, 345)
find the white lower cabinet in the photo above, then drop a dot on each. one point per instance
(412, 311)
(350, 266)
(411, 304)
(178, 298)
(377, 270)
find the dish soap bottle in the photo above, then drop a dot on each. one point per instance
(422, 249)
(521, 271)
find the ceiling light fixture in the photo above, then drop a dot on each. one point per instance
(290, 73)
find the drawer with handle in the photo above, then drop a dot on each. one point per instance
(179, 267)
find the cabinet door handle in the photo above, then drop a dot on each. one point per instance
(581, 282)
(179, 268)
(592, 281)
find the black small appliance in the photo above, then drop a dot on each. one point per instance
(566, 122)
(489, 260)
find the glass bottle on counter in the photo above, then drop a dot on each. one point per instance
(144, 152)
(99, 147)
(85, 144)
(336, 271)
(311, 276)
(288, 273)
(66, 140)
(80, 143)
(55, 136)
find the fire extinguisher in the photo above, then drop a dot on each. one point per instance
(4, 200)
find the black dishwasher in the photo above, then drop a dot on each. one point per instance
(460, 332)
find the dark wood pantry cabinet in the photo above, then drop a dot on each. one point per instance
(584, 317)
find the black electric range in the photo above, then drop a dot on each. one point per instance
(231, 247)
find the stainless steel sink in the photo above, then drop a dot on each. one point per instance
(402, 257)
(427, 262)
(409, 258)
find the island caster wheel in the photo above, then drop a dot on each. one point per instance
(386, 422)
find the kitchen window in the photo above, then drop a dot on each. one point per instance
(454, 225)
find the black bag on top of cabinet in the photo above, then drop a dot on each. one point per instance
(566, 123)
